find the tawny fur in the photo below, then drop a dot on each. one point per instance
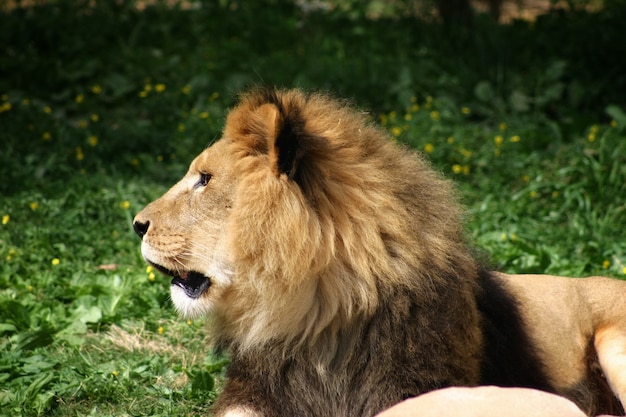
(340, 281)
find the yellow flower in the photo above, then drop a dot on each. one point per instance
(134, 162)
(613, 123)
(502, 126)
(591, 137)
(434, 115)
(151, 276)
(12, 252)
(555, 194)
(189, 322)
(624, 270)
(457, 169)
(161, 330)
(149, 269)
(515, 138)
(5, 219)
(125, 205)
(5, 107)
(25, 102)
(79, 98)
(55, 261)
(513, 237)
(498, 140)
(465, 110)
(606, 264)
(407, 117)
(47, 110)
(94, 117)
(415, 108)
(159, 158)
(466, 152)
(82, 123)
(186, 89)
(115, 373)
(34, 205)
(80, 155)
(450, 140)
(533, 194)
(466, 169)
(93, 140)
(503, 237)
(204, 115)
(429, 148)
(96, 89)
(46, 136)
(396, 131)
(143, 94)
(181, 127)
(159, 88)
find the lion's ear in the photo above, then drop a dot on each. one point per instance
(284, 140)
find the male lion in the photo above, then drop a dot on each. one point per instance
(334, 267)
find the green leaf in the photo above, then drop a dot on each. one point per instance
(519, 101)
(89, 315)
(484, 91)
(618, 115)
(34, 338)
(7, 328)
(15, 313)
(202, 382)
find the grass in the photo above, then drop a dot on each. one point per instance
(101, 117)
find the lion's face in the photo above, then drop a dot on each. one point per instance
(183, 232)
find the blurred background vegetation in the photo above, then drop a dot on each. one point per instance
(563, 61)
(104, 103)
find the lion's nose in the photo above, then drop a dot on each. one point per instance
(141, 228)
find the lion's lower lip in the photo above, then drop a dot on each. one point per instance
(194, 284)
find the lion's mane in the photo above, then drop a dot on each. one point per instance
(344, 219)
(351, 250)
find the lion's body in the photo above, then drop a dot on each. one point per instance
(334, 266)
(578, 328)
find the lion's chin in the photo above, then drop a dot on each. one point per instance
(187, 306)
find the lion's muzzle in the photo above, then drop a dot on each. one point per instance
(193, 283)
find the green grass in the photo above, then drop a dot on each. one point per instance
(99, 118)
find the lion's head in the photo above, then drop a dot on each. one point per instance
(299, 220)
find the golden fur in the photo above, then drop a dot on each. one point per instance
(579, 329)
(334, 267)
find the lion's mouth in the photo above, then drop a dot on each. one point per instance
(193, 283)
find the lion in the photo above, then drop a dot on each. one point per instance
(334, 266)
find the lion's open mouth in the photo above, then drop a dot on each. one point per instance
(193, 283)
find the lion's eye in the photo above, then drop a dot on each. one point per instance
(204, 179)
